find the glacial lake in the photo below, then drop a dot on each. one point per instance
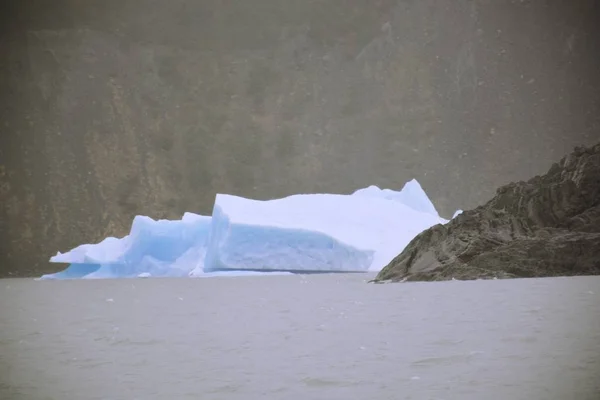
(321, 337)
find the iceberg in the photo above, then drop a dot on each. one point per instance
(153, 248)
(303, 233)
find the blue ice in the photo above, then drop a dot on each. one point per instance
(359, 232)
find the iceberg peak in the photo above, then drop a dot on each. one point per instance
(411, 195)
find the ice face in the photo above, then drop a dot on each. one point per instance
(301, 233)
(316, 232)
(278, 235)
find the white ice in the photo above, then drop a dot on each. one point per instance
(316, 232)
(301, 233)
(411, 195)
(457, 213)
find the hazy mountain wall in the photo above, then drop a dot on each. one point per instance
(120, 107)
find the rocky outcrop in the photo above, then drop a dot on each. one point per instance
(547, 226)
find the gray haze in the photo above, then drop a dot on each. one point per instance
(114, 108)
(300, 338)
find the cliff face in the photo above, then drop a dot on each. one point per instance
(120, 107)
(547, 226)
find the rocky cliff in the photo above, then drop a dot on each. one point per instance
(547, 226)
(112, 108)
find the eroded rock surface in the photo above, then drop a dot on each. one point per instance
(547, 226)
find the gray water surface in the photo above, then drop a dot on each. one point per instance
(316, 337)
